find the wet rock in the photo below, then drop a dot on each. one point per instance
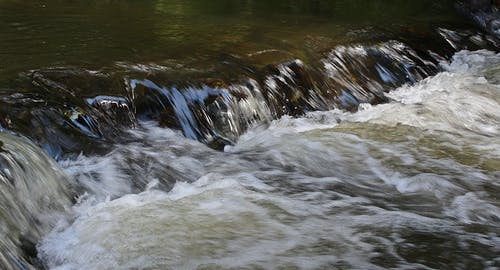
(218, 143)
(118, 109)
(215, 83)
(288, 86)
(483, 13)
(3, 123)
(56, 108)
(469, 40)
(479, 5)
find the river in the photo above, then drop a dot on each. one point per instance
(250, 135)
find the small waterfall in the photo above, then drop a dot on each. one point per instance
(297, 134)
(349, 76)
(212, 115)
(55, 107)
(33, 190)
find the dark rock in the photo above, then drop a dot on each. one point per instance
(483, 13)
(218, 143)
(479, 5)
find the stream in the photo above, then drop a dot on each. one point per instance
(285, 134)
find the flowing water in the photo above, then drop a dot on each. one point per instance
(249, 135)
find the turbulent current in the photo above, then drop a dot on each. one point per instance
(409, 184)
(284, 134)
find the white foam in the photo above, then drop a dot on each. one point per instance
(331, 188)
(473, 207)
(215, 221)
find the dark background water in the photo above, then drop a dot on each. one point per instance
(96, 33)
(55, 55)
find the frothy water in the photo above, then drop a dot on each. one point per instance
(411, 184)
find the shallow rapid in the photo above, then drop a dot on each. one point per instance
(284, 134)
(409, 184)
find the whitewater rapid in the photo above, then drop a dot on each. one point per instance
(410, 184)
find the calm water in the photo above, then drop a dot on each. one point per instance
(41, 34)
(247, 135)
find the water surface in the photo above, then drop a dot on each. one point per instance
(247, 135)
(93, 34)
